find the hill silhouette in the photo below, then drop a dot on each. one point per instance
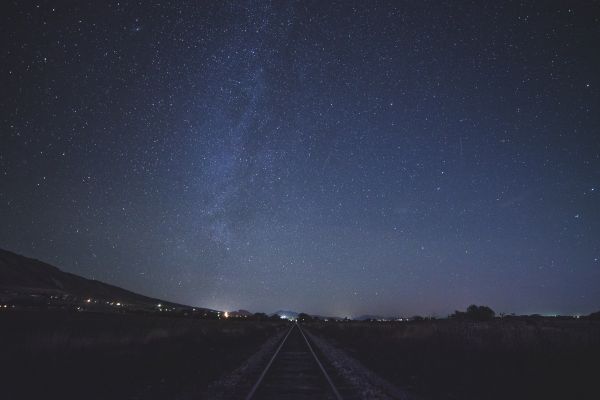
(23, 276)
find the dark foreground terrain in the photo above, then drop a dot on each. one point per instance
(510, 358)
(70, 355)
(61, 354)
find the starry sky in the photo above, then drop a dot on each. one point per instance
(339, 158)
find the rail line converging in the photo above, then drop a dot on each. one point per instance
(294, 371)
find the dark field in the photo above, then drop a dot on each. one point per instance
(77, 355)
(539, 358)
(67, 355)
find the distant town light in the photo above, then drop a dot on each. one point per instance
(226, 315)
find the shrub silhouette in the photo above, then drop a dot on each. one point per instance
(259, 316)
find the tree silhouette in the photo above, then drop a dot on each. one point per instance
(475, 313)
(302, 317)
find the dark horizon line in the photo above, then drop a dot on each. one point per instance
(360, 315)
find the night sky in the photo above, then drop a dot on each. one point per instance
(401, 157)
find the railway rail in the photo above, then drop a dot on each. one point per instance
(294, 372)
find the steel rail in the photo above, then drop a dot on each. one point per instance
(264, 373)
(262, 376)
(333, 388)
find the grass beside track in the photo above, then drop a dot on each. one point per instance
(99, 356)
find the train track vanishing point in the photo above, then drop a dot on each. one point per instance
(294, 372)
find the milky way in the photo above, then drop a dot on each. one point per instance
(335, 158)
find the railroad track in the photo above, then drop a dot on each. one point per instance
(294, 372)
